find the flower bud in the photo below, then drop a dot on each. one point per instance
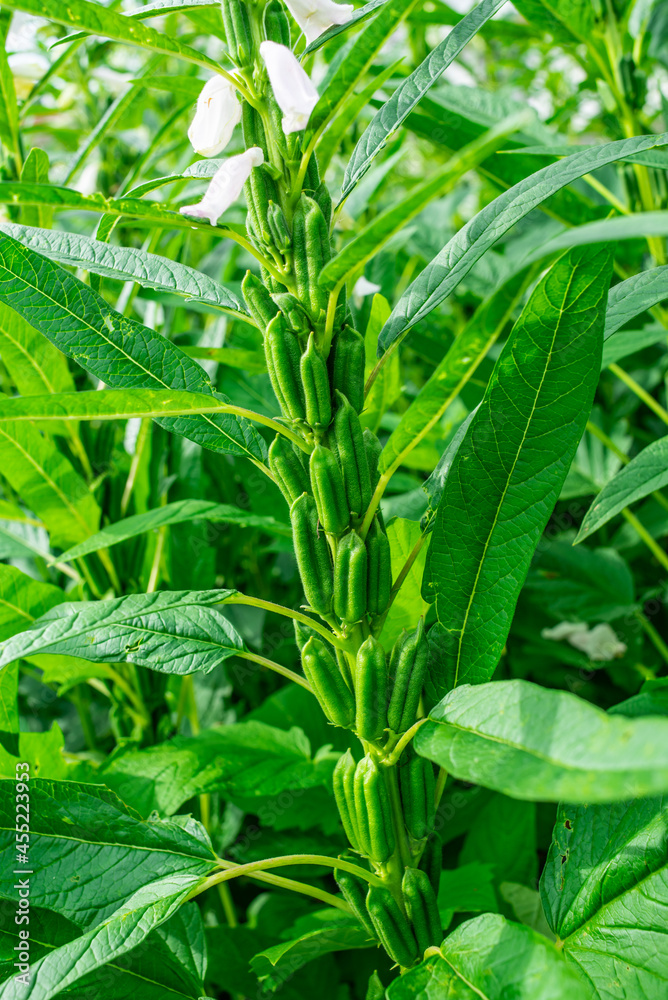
(295, 94)
(316, 16)
(226, 186)
(218, 111)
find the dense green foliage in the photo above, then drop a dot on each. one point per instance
(333, 636)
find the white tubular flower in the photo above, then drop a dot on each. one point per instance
(362, 288)
(316, 16)
(226, 186)
(295, 94)
(599, 643)
(218, 111)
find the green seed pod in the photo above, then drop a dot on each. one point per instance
(354, 891)
(312, 176)
(253, 129)
(408, 666)
(276, 23)
(370, 691)
(310, 252)
(373, 452)
(237, 32)
(315, 382)
(279, 227)
(350, 574)
(422, 908)
(346, 366)
(324, 199)
(287, 469)
(329, 687)
(431, 861)
(258, 300)
(379, 579)
(373, 811)
(391, 926)
(260, 191)
(344, 793)
(417, 785)
(327, 487)
(294, 312)
(281, 349)
(352, 455)
(312, 552)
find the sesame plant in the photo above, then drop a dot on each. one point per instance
(333, 503)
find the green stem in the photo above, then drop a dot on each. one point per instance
(652, 635)
(650, 542)
(399, 747)
(287, 860)
(277, 668)
(641, 393)
(280, 609)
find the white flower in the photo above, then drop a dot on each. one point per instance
(599, 643)
(316, 16)
(218, 111)
(226, 186)
(295, 94)
(363, 287)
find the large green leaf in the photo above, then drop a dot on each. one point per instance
(580, 584)
(175, 632)
(409, 93)
(644, 474)
(509, 469)
(175, 513)
(535, 743)
(23, 599)
(118, 350)
(626, 227)
(33, 363)
(490, 958)
(115, 404)
(317, 934)
(442, 275)
(127, 264)
(629, 298)
(562, 19)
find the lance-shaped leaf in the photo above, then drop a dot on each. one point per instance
(508, 472)
(110, 404)
(490, 958)
(119, 351)
(127, 264)
(644, 474)
(361, 14)
(535, 743)
(442, 275)
(563, 19)
(9, 118)
(409, 93)
(176, 632)
(23, 599)
(633, 227)
(631, 297)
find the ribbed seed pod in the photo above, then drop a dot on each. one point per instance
(260, 193)
(379, 561)
(350, 576)
(253, 129)
(344, 790)
(281, 349)
(329, 687)
(346, 366)
(370, 691)
(258, 300)
(372, 808)
(373, 452)
(431, 861)
(354, 892)
(310, 252)
(278, 227)
(315, 382)
(312, 552)
(237, 31)
(294, 312)
(417, 784)
(288, 470)
(422, 909)
(324, 200)
(276, 23)
(352, 455)
(327, 486)
(408, 666)
(391, 926)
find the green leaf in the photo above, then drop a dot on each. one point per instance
(512, 850)
(442, 275)
(627, 227)
(176, 632)
(507, 474)
(116, 404)
(629, 298)
(9, 713)
(23, 599)
(127, 264)
(95, 19)
(116, 349)
(408, 605)
(581, 584)
(9, 118)
(466, 889)
(625, 342)
(319, 933)
(540, 744)
(361, 14)
(35, 170)
(409, 93)
(47, 483)
(44, 752)
(366, 243)
(35, 366)
(562, 19)
(490, 958)
(644, 474)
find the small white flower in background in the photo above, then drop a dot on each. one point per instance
(295, 94)
(363, 287)
(218, 111)
(226, 186)
(599, 643)
(316, 16)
